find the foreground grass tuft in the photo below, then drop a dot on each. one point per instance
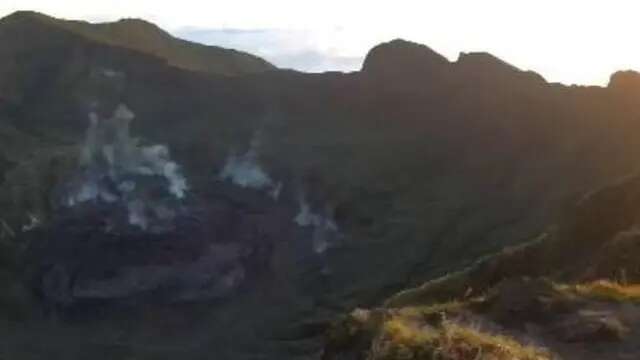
(400, 339)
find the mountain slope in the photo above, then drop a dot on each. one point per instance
(522, 293)
(425, 165)
(146, 37)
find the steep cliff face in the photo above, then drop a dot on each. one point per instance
(415, 165)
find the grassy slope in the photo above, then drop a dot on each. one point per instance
(574, 292)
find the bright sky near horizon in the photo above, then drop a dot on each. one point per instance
(568, 41)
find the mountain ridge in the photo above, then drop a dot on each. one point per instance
(146, 37)
(123, 32)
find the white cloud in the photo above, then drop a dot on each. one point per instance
(303, 50)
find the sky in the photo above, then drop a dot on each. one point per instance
(573, 42)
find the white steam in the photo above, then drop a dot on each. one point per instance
(245, 171)
(33, 223)
(117, 170)
(275, 191)
(325, 229)
(154, 160)
(6, 231)
(137, 214)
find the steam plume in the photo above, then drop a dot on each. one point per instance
(116, 170)
(324, 227)
(245, 171)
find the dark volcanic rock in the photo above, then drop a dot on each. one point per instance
(482, 66)
(626, 82)
(211, 251)
(401, 57)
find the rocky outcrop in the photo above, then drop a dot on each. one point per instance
(209, 252)
(126, 228)
(626, 83)
(403, 58)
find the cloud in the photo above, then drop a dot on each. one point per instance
(316, 61)
(302, 50)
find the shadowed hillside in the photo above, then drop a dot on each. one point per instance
(143, 36)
